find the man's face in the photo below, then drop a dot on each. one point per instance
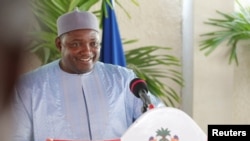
(80, 49)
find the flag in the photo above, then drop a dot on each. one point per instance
(112, 49)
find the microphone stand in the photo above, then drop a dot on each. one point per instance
(146, 101)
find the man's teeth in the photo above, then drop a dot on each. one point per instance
(85, 59)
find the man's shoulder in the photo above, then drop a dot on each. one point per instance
(40, 72)
(111, 73)
(111, 68)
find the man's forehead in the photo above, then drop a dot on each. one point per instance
(82, 35)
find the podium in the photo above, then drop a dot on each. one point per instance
(164, 124)
(161, 124)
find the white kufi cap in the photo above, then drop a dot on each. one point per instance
(76, 20)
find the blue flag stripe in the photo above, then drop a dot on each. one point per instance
(112, 48)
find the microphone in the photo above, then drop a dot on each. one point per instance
(139, 88)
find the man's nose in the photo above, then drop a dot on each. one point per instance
(85, 47)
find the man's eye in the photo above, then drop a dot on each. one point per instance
(75, 44)
(94, 44)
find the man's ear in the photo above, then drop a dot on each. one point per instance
(58, 43)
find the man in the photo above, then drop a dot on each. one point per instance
(76, 97)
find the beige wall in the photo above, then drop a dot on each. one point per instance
(213, 77)
(215, 92)
(152, 22)
(221, 91)
(241, 93)
(241, 96)
(155, 22)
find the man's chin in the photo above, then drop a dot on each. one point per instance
(85, 70)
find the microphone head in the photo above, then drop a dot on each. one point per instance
(136, 85)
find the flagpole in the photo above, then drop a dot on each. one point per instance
(113, 3)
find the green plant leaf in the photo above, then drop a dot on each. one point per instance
(234, 27)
